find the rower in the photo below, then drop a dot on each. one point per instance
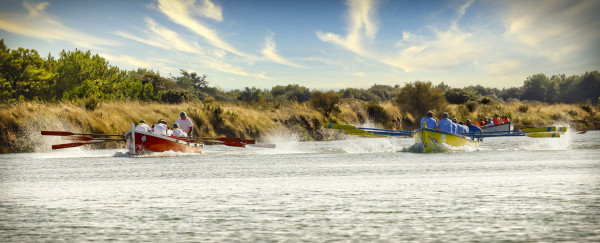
(143, 127)
(462, 129)
(497, 120)
(505, 119)
(161, 127)
(185, 123)
(178, 132)
(445, 123)
(472, 128)
(429, 121)
(454, 125)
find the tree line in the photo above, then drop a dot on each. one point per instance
(78, 76)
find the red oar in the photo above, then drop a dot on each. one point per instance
(77, 144)
(64, 133)
(238, 140)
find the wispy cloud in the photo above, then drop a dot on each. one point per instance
(159, 36)
(228, 68)
(270, 53)
(38, 24)
(132, 62)
(443, 50)
(182, 12)
(555, 29)
(361, 25)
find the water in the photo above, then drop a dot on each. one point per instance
(510, 189)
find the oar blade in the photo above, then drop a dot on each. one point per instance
(234, 144)
(68, 145)
(544, 134)
(57, 133)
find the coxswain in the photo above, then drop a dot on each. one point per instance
(178, 132)
(429, 120)
(445, 123)
(185, 124)
(143, 127)
(160, 128)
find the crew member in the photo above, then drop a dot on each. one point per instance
(161, 127)
(185, 123)
(505, 119)
(445, 123)
(143, 127)
(178, 132)
(497, 120)
(472, 128)
(429, 120)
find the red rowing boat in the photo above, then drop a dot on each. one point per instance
(139, 142)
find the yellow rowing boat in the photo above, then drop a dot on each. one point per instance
(430, 140)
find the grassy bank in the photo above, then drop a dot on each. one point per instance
(20, 123)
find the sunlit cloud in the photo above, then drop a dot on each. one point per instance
(555, 29)
(38, 24)
(182, 12)
(361, 25)
(228, 68)
(159, 36)
(270, 53)
(444, 50)
(132, 62)
(359, 74)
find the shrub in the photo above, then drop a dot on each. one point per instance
(458, 96)
(378, 114)
(523, 108)
(485, 101)
(420, 97)
(327, 102)
(176, 96)
(471, 106)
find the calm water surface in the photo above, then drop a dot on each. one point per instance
(515, 189)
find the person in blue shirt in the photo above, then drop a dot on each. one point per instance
(472, 128)
(445, 123)
(431, 122)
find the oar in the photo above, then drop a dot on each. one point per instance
(234, 142)
(545, 129)
(77, 144)
(352, 130)
(64, 133)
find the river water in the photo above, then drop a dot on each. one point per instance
(510, 189)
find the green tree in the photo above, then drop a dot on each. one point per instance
(419, 97)
(459, 96)
(326, 102)
(22, 73)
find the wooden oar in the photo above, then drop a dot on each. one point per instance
(352, 130)
(77, 144)
(64, 133)
(234, 142)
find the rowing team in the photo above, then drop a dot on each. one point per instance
(183, 127)
(448, 125)
(492, 122)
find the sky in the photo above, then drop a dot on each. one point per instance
(320, 44)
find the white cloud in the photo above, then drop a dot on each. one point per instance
(38, 24)
(361, 25)
(270, 53)
(132, 62)
(182, 11)
(557, 30)
(159, 36)
(228, 68)
(359, 74)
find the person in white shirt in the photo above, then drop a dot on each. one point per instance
(161, 127)
(178, 132)
(143, 127)
(185, 124)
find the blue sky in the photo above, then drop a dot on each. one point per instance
(327, 44)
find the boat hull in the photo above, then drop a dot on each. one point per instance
(148, 142)
(430, 140)
(506, 127)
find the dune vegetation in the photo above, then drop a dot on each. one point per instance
(81, 92)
